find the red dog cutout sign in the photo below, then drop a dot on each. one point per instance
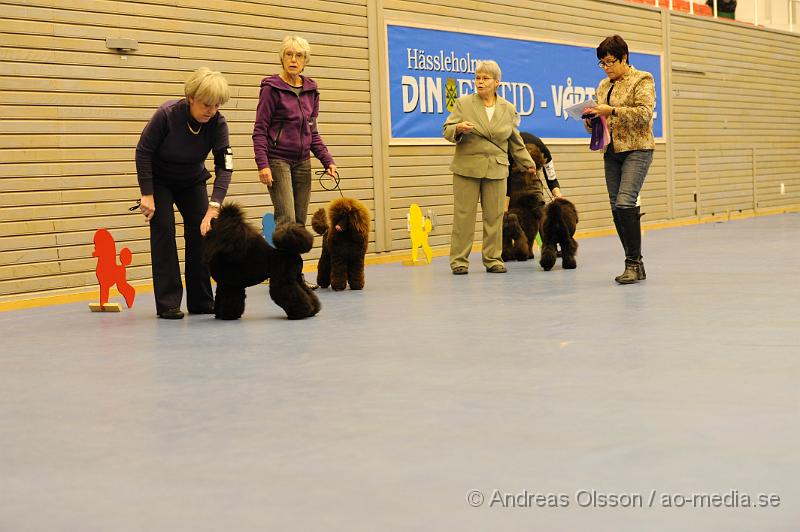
(109, 273)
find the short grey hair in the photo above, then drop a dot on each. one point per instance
(297, 43)
(208, 86)
(489, 67)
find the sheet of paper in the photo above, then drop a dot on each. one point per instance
(576, 110)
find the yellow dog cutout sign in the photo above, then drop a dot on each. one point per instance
(419, 226)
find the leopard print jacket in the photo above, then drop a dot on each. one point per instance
(634, 97)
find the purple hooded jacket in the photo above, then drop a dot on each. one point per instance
(286, 123)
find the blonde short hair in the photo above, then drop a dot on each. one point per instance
(297, 43)
(207, 86)
(490, 68)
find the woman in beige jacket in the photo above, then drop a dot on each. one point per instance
(627, 99)
(483, 126)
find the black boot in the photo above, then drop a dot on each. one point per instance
(618, 225)
(632, 242)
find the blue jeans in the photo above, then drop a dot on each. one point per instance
(291, 190)
(625, 173)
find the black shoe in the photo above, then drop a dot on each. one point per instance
(497, 268)
(460, 270)
(309, 284)
(171, 314)
(207, 309)
(631, 274)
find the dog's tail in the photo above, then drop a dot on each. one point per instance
(565, 206)
(556, 211)
(319, 222)
(228, 235)
(293, 238)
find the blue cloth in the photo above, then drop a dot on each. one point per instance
(268, 226)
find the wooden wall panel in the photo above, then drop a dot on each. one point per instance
(73, 111)
(735, 120)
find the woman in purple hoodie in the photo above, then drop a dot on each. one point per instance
(285, 133)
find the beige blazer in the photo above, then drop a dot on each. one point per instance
(634, 98)
(483, 152)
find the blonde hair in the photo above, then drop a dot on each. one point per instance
(208, 87)
(489, 67)
(297, 43)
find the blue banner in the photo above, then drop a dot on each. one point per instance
(429, 69)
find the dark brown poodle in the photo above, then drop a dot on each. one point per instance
(525, 201)
(345, 236)
(558, 228)
(515, 243)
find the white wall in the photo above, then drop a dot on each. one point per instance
(771, 13)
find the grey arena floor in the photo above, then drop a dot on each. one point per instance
(546, 401)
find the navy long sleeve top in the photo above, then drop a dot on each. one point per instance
(171, 152)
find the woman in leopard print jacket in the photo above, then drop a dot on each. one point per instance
(627, 99)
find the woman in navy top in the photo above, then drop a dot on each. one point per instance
(170, 165)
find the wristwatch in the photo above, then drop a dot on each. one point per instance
(214, 204)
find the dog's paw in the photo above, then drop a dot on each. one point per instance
(547, 261)
(227, 316)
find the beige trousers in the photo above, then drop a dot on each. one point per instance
(466, 193)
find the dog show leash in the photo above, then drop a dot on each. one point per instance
(335, 179)
(545, 187)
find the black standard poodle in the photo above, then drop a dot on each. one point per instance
(345, 236)
(238, 256)
(558, 228)
(525, 202)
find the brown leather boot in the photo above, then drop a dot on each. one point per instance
(632, 273)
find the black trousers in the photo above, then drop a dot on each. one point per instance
(192, 203)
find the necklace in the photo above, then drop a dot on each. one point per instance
(192, 130)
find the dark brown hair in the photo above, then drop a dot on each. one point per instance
(614, 45)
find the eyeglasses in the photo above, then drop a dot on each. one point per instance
(607, 64)
(300, 56)
(482, 78)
